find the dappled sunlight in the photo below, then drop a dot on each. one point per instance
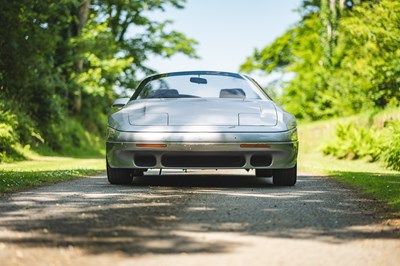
(184, 213)
(202, 208)
(289, 195)
(50, 163)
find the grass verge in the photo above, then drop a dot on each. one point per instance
(42, 170)
(372, 179)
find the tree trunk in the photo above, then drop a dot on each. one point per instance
(329, 17)
(83, 15)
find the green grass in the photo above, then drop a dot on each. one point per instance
(42, 170)
(372, 179)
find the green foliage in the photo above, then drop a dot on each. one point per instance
(78, 141)
(272, 57)
(376, 138)
(345, 60)
(9, 139)
(149, 38)
(354, 141)
(60, 63)
(374, 29)
(391, 153)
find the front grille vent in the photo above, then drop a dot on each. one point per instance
(202, 161)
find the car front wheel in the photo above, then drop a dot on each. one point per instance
(285, 177)
(122, 176)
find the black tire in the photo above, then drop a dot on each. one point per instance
(119, 176)
(285, 177)
(263, 172)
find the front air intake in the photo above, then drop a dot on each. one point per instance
(169, 160)
(261, 160)
(145, 160)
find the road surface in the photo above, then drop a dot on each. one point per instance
(195, 218)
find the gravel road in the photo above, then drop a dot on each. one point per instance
(195, 218)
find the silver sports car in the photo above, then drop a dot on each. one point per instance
(201, 120)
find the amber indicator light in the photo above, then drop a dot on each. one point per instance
(255, 145)
(151, 145)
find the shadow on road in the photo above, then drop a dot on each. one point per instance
(167, 214)
(171, 178)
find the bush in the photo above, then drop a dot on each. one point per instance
(67, 136)
(8, 135)
(71, 138)
(6, 140)
(391, 154)
(354, 141)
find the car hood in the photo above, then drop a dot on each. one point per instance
(201, 112)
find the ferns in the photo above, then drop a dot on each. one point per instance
(355, 140)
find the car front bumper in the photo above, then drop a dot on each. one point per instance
(202, 150)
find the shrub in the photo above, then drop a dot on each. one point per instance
(71, 138)
(391, 154)
(353, 141)
(8, 135)
(356, 140)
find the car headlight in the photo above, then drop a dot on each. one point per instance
(289, 120)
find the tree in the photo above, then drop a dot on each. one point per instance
(60, 62)
(344, 57)
(114, 21)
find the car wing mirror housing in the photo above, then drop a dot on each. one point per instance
(121, 102)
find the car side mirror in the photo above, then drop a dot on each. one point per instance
(121, 102)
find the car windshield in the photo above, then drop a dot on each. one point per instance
(195, 85)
